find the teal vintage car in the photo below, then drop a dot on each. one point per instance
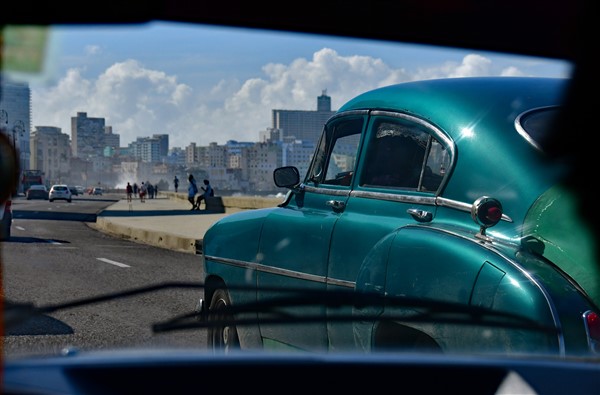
(430, 218)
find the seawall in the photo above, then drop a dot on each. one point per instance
(234, 202)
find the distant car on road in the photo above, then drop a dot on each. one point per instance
(60, 192)
(74, 191)
(97, 191)
(37, 192)
(5, 219)
(80, 189)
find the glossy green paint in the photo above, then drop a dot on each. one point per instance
(482, 125)
(556, 220)
(302, 248)
(441, 266)
(372, 243)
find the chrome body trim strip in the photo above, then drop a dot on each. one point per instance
(489, 245)
(327, 191)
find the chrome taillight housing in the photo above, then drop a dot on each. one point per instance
(591, 321)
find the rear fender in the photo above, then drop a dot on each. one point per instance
(429, 263)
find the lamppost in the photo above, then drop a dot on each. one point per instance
(18, 128)
(3, 119)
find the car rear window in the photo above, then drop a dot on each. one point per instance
(534, 125)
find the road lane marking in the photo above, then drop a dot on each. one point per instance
(113, 262)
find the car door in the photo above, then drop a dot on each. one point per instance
(404, 166)
(295, 239)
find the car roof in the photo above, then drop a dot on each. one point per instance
(491, 159)
(456, 98)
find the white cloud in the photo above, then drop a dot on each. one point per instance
(138, 101)
(512, 72)
(92, 49)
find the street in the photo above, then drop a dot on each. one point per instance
(54, 257)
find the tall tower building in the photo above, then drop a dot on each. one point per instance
(15, 117)
(87, 136)
(303, 125)
(324, 102)
(111, 140)
(163, 144)
(51, 153)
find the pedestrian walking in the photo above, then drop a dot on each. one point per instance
(129, 190)
(192, 190)
(150, 188)
(176, 183)
(143, 192)
(135, 188)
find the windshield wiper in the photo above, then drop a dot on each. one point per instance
(423, 310)
(428, 311)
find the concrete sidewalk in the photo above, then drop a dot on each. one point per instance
(162, 222)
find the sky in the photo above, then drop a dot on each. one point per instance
(203, 84)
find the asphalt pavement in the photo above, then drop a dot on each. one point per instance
(162, 222)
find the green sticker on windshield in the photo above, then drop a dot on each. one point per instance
(23, 48)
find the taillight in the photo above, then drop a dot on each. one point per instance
(592, 327)
(486, 212)
(8, 205)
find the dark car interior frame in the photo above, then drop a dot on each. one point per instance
(558, 29)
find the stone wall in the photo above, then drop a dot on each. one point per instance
(241, 202)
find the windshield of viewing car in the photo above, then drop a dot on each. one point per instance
(104, 106)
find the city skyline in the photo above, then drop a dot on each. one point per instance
(214, 84)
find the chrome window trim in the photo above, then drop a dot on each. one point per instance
(345, 113)
(425, 200)
(436, 131)
(326, 191)
(433, 131)
(521, 130)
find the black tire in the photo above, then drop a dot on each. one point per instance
(221, 339)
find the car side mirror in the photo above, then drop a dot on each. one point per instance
(286, 177)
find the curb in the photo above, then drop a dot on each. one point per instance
(144, 236)
(174, 242)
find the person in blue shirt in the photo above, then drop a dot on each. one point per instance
(192, 190)
(208, 191)
(176, 183)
